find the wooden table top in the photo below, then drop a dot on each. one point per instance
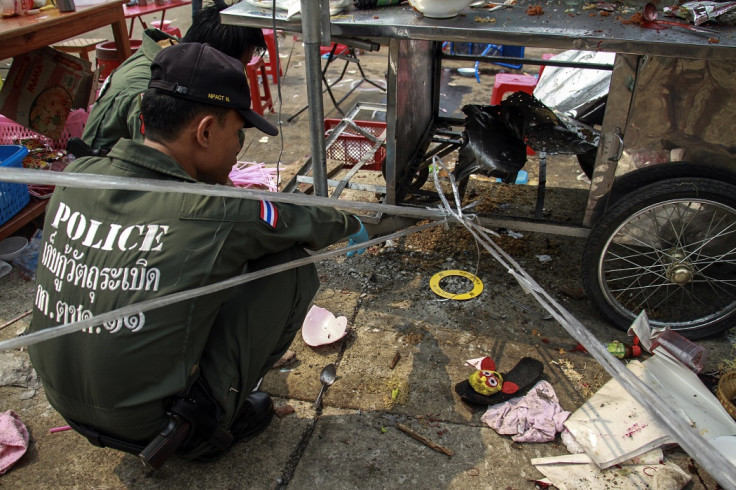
(23, 33)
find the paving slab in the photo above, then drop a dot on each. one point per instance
(366, 450)
(67, 460)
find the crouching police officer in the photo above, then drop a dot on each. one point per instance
(180, 376)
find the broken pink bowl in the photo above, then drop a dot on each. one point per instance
(320, 327)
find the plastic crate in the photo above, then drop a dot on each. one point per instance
(13, 197)
(350, 147)
(11, 131)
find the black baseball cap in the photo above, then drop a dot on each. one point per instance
(200, 73)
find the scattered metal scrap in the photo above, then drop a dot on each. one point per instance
(19, 317)
(427, 442)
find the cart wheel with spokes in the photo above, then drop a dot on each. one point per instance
(668, 248)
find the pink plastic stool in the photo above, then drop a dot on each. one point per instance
(545, 56)
(261, 101)
(273, 60)
(167, 28)
(510, 82)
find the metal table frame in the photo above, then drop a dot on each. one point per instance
(415, 57)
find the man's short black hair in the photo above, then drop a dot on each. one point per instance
(229, 39)
(164, 116)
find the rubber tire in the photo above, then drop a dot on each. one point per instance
(641, 177)
(663, 193)
(420, 178)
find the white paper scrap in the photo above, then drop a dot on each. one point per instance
(583, 474)
(613, 427)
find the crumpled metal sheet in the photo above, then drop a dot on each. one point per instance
(573, 91)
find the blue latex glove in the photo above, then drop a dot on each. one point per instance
(359, 236)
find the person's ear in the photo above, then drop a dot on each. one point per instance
(204, 130)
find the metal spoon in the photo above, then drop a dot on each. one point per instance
(650, 14)
(327, 377)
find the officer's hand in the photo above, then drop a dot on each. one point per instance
(358, 237)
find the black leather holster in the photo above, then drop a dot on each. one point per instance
(78, 148)
(192, 422)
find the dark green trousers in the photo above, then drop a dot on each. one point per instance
(254, 328)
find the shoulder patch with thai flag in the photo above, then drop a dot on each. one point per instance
(269, 213)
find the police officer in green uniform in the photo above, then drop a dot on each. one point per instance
(116, 113)
(120, 383)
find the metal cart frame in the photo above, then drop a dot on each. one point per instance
(671, 89)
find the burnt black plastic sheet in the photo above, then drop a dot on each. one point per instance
(490, 146)
(496, 137)
(544, 129)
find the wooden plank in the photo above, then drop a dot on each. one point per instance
(333, 166)
(33, 209)
(78, 43)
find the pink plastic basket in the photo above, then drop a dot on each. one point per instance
(11, 131)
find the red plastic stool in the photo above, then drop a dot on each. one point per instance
(261, 101)
(107, 57)
(167, 28)
(274, 63)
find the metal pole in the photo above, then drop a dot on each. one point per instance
(311, 22)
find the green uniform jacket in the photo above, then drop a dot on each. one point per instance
(116, 112)
(104, 249)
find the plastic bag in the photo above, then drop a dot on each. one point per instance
(28, 260)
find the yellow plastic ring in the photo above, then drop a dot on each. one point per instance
(434, 284)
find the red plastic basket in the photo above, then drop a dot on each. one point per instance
(350, 147)
(13, 197)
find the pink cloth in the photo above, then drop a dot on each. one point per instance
(13, 440)
(535, 417)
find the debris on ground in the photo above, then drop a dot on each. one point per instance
(578, 472)
(568, 368)
(14, 438)
(613, 427)
(536, 417)
(427, 442)
(321, 327)
(288, 358)
(282, 412)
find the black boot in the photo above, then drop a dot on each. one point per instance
(254, 417)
